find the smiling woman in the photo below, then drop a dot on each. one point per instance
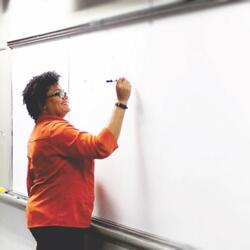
(37, 93)
(59, 156)
(57, 102)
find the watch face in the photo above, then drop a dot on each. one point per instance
(121, 105)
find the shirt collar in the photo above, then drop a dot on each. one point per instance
(48, 118)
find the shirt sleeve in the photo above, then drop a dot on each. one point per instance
(71, 142)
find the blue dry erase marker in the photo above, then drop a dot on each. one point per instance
(110, 81)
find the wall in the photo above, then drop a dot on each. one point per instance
(5, 114)
(14, 234)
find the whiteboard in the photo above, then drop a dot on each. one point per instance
(182, 167)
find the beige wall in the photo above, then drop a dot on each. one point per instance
(5, 118)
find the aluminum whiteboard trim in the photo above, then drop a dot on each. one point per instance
(111, 231)
(13, 199)
(122, 19)
(135, 238)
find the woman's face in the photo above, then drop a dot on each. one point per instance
(56, 102)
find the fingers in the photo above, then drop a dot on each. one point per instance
(123, 89)
(123, 83)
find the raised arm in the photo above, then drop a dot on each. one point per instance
(123, 90)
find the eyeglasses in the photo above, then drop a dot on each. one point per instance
(60, 93)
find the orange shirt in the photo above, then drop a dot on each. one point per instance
(60, 179)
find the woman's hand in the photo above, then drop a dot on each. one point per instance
(123, 90)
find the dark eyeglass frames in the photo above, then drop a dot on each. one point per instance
(60, 93)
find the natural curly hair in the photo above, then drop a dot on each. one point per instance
(35, 92)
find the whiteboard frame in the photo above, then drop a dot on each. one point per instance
(180, 7)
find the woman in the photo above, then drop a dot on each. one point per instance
(60, 179)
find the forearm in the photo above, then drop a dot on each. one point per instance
(115, 123)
